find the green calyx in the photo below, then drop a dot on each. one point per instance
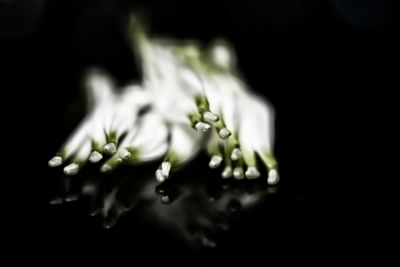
(112, 137)
(194, 118)
(62, 153)
(135, 155)
(173, 158)
(250, 159)
(202, 104)
(215, 149)
(269, 160)
(220, 124)
(233, 141)
(96, 147)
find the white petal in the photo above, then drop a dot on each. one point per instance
(185, 142)
(76, 139)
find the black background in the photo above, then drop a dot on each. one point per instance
(328, 67)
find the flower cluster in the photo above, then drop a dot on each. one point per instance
(191, 98)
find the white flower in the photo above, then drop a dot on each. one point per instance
(147, 141)
(79, 159)
(257, 135)
(214, 147)
(126, 109)
(73, 143)
(185, 144)
(100, 89)
(184, 88)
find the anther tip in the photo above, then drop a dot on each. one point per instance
(124, 153)
(252, 173)
(273, 177)
(105, 168)
(215, 161)
(159, 176)
(55, 161)
(238, 173)
(165, 169)
(110, 149)
(227, 173)
(224, 133)
(71, 169)
(202, 127)
(236, 154)
(95, 157)
(210, 116)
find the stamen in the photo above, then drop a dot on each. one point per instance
(236, 154)
(55, 161)
(106, 168)
(159, 176)
(211, 117)
(165, 169)
(227, 173)
(124, 153)
(238, 173)
(215, 161)
(95, 156)
(252, 173)
(273, 177)
(202, 127)
(71, 169)
(224, 133)
(110, 149)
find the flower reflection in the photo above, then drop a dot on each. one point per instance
(195, 205)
